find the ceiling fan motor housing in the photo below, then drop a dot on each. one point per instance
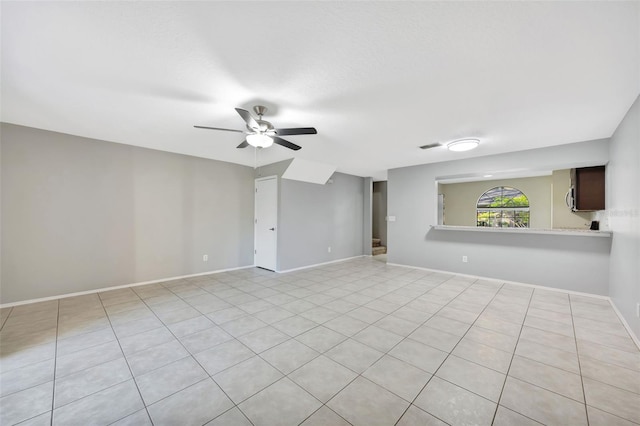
(265, 126)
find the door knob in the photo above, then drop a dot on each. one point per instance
(272, 229)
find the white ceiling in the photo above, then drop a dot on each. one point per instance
(377, 79)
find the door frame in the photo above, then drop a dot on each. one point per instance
(255, 219)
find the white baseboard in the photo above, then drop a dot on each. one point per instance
(577, 293)
(541, 287)
(321, 264)
(626, 324)
(82, 293)
(99, 290)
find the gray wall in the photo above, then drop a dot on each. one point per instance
(567, 262)
(313, 217)
(80, 214)
(623, 209)
(380, 211)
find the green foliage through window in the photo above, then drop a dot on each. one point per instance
(503, 207)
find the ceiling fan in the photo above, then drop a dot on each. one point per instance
(261, 134)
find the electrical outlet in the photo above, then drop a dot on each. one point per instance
(205, 258)
(465, 259)
(328, 249)
(638, 310)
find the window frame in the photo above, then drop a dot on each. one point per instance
(496, 214)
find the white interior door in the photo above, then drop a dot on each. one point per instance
(266, 223)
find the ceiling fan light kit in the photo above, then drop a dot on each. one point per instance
(462, 145)
(261, 134)
(259, 140)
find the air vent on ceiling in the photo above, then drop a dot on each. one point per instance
(431, 145)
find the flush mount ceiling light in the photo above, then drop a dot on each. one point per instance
(463, 145)
(260, 140)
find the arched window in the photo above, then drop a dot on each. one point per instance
(503, 207)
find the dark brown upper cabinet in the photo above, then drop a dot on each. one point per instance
(588, 188)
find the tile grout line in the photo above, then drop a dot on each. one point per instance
(560, 368)
(605, 383)
(456, 345)
(322, 404)
(582, 377)
(55, 364)
(411, 403)
(6, 318)
(315, 285)
(126, 302)
(575, 342)
(322, 354)
(575, 338)
(320, 408)
(358, 375)
(306, 331)
(196, 361)
(31, 364)
(126, 361)
(205, 290)
(533, 384)
(236, 339)
(31, 387)
(608, 305)
(116, 288)
(513, 355)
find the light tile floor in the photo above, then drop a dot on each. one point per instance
(357, 342)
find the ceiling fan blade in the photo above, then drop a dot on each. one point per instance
(285, 143)
(297, 131)
(219, 128)
(243, 144)
(246, 116)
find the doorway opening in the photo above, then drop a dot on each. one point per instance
(266, 223)
(379, 221)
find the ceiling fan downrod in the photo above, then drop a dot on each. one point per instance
(260, 110)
